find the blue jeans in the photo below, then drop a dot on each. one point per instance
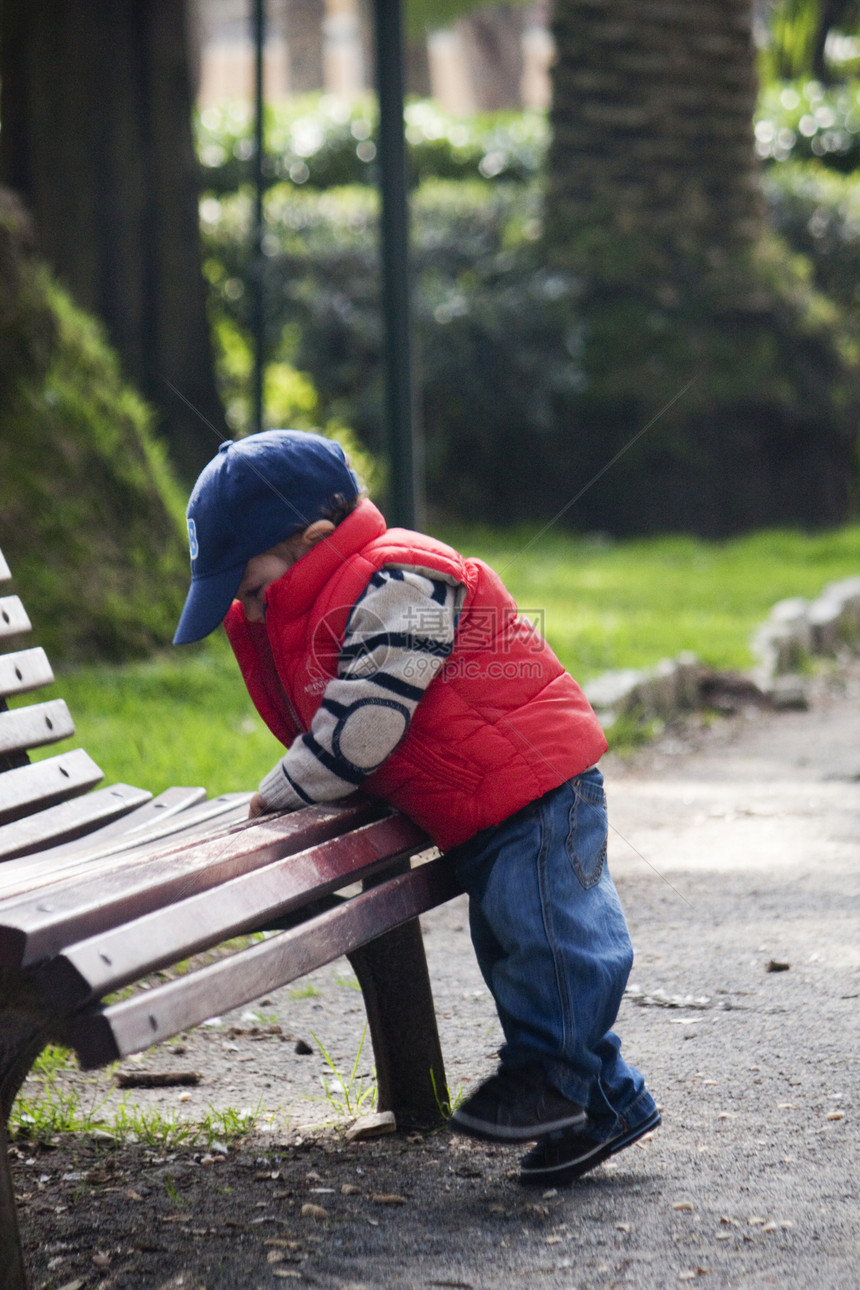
(553, 947)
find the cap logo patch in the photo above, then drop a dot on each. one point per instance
(192, 539)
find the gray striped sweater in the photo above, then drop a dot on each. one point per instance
(399, 633)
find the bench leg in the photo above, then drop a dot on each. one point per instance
(392, 972)
(11, 1254)
(23, 1034)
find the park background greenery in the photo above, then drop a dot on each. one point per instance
(502, 352)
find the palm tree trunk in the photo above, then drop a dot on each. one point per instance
(652, 113)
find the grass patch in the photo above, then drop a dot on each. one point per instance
(58, 1108)
(604, 605)
(184, 717)
(348, 1095)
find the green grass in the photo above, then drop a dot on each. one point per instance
(607, 605)
(184, 717)
(179, 718)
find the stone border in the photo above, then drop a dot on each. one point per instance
(795, 630)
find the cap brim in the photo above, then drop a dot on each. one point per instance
(206, 604)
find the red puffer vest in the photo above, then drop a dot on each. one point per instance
(501, 724)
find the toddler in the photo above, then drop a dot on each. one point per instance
(386, 661)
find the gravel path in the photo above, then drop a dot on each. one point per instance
(736, 850)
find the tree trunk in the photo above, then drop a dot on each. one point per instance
(96, 137)
(492, 40)
(303, 26)
(694, 323)
(652, 135)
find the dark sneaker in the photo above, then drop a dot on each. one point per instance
(516, 1105)
(562, 1157)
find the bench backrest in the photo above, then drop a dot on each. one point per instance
(46, 802)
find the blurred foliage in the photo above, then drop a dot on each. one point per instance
(430, 15)
(90, 518)
(818, 214)
(805, 120)
(811, 37)
(533, 379)
(320, 142)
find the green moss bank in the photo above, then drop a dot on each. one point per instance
(90, 516)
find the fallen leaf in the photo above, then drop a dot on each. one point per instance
(286, 1272)
(371, 1126)
(313, 1211)
(683, 1204)
(755, 1220)
(553, 1240)
(623, 1227)
(835, 1115)
(101, 1260)
(387, 1198)
(350, 1189)
(776, 965)
(73, 1285)
(275, 1256)
(133, 1195)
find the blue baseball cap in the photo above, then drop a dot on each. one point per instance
(255, 493)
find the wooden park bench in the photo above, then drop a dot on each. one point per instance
(102, 886)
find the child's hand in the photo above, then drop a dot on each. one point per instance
(257, 806)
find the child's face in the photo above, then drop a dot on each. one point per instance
(260, 572)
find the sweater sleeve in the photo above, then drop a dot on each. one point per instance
(399, 633)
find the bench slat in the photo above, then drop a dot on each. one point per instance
(144, 1019)
(34, 927)
(33, 727)
(83, 854)
(70, 820)
(13, 617)
(28, 669)
(90, 857)
(30, 788)
(117, 957)
(133, 826)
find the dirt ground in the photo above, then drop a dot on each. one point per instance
(736, 850)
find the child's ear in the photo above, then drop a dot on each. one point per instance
(315, 533)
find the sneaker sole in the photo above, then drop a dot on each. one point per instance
(566, 1173)
(462, 1122)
